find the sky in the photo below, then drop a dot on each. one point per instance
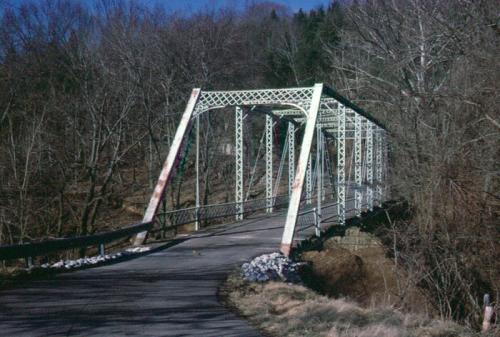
(188, 6)
(193, 5)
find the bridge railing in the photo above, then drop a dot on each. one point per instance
(32, 249)
(213, 211)
(174, 218)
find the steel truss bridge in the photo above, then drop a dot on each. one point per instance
(324, 118)
(343, 154)
(341, 171)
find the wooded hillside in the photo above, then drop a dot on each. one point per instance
(90, 96)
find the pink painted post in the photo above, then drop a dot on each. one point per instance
(168, 166)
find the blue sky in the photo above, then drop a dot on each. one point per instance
(188, 6)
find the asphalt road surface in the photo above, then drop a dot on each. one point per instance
(169, 292)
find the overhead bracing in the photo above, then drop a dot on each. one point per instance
(318, 114)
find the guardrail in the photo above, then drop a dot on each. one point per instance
(214, 211)
(30, 250)
(175, 218)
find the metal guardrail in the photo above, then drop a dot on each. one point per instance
(26, 250)
(175, 218)
(208, 212)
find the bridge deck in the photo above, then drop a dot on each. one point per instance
(171, 292)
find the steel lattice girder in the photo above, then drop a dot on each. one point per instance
(239, 162)
(298, 97)
(309, 184)
(378, 166)
(369, 165)
(304, 105)
(269, 163)
(291, 156)
(358, 164)
(341, 149)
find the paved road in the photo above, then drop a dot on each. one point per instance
(170, 292)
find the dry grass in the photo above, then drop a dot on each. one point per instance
(280, 309)
(365, 275)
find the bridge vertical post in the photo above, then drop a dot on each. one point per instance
(322, 166)
(166, 171)
(385, 164)
(369, 165)
(341, 148)
(357, 163)
(239, 162)
(309, 188)
(378, 164)
(319, 176)
(291, 156)
(269, 164)
(331, 176)
(197, 168)
(298, 183)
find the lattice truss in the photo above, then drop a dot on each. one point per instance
(298, 97)
(314, 110)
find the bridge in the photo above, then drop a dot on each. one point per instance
(340, 171)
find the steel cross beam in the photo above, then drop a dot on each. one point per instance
(358, 179)
(341, 149)
(269, 163)
(238, 153)
(296, 97)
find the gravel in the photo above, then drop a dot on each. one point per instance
(271, 267)
(93, 260)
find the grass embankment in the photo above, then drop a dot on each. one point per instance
(352, 289)
(280, 309)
